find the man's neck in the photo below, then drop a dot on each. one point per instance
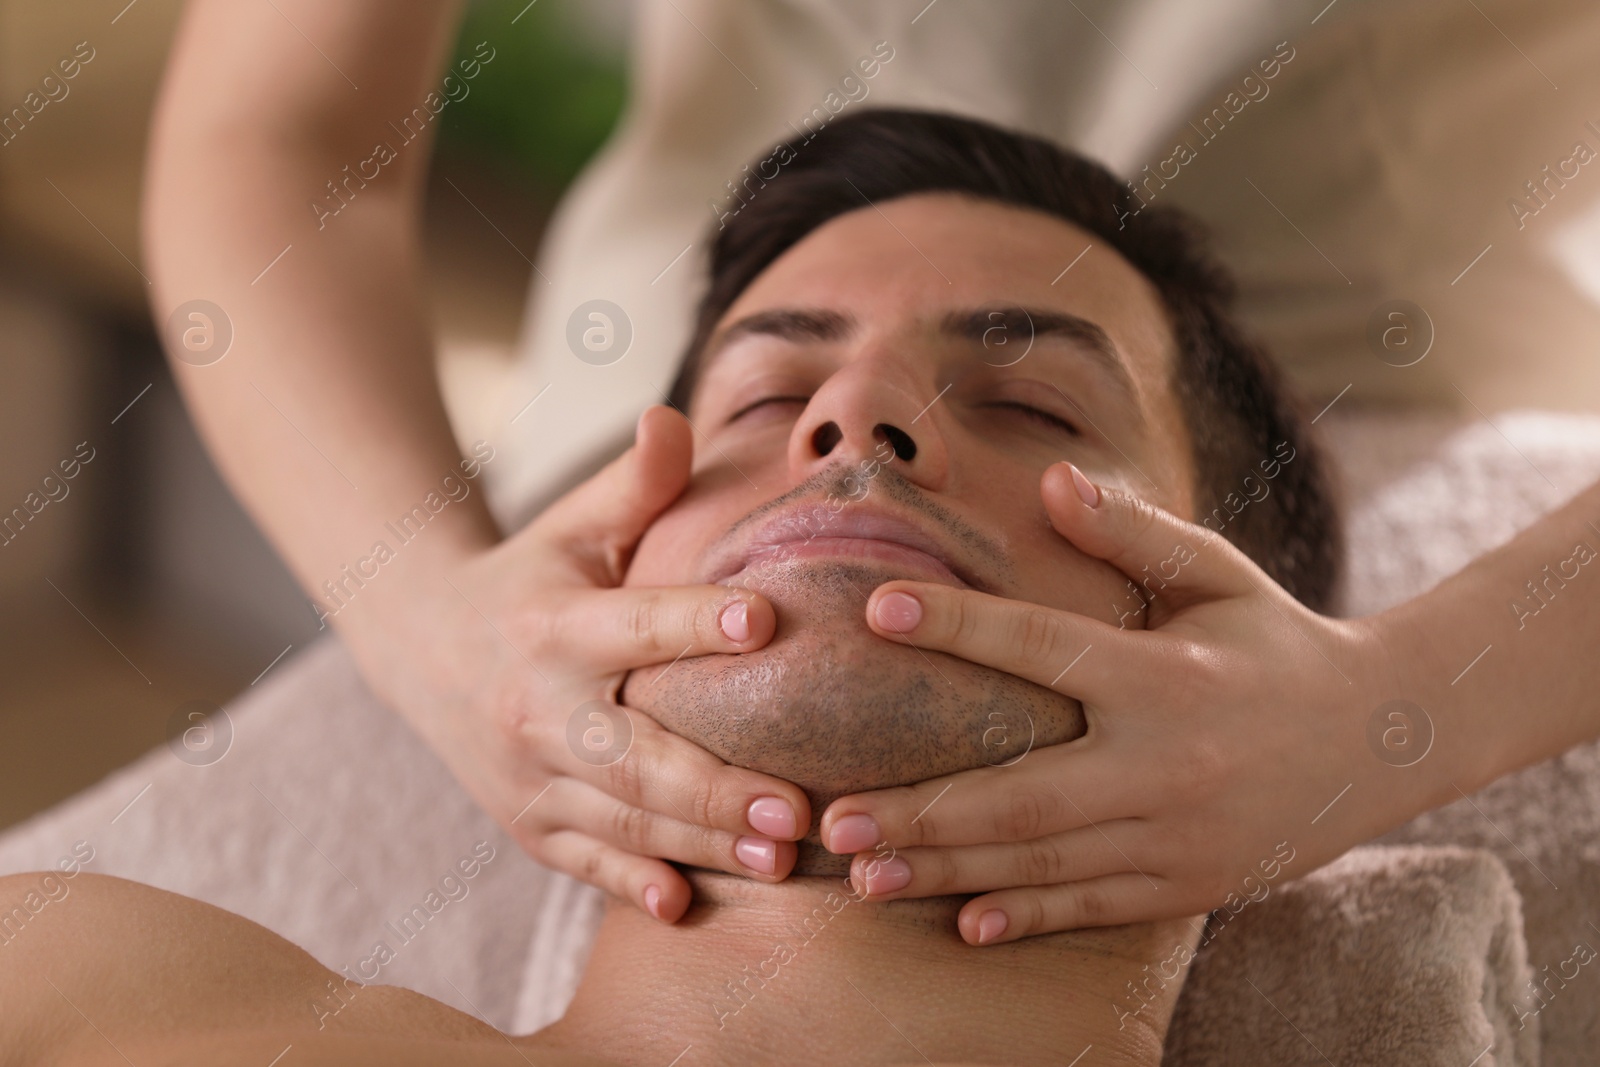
(803, 972)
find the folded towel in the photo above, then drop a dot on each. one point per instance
(1388, 955)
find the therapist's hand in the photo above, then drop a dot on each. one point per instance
(510, 664)
(1227, 747)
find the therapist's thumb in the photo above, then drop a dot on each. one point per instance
(1150, 545)
(613, 509)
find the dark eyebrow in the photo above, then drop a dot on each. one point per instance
(788, 324)
(1023, 325)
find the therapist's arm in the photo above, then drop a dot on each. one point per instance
(1243, 739)
(324, 415)
(326, 419)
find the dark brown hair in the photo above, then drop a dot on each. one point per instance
(1241, 419)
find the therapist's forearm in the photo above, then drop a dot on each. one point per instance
(1533, 693)
(325, 415)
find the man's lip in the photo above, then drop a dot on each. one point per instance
(827, 546)
(859, 530)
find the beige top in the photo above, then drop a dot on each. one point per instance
(1375, 162)
(1394, 151)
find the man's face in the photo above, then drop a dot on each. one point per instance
(876, 405)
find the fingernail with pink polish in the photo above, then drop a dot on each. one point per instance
(991, 924)
(652, 900)
(854, 833)
(886, 876)
(735, 621)
(1089, 493)
(899, 612)
(757, 854)
(772, 816)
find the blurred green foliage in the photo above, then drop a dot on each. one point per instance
(547, 101)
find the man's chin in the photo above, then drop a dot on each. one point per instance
(836, 709)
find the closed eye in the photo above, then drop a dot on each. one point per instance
(748, 408)
(1037, 414)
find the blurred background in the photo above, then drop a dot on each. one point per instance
(145, 587)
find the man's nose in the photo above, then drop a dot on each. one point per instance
(864, 413)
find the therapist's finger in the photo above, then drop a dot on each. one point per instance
(1158, 551)
(635, 626)
(1112, 900)
(890, 874)
(661, 772)
(1073, 654)
(570, 804)
(1053, 790)
(652, 885)
(601, 520)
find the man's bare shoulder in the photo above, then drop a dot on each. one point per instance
(256, 1048)
(98, 971)
(252, 1049)
(94, 963)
